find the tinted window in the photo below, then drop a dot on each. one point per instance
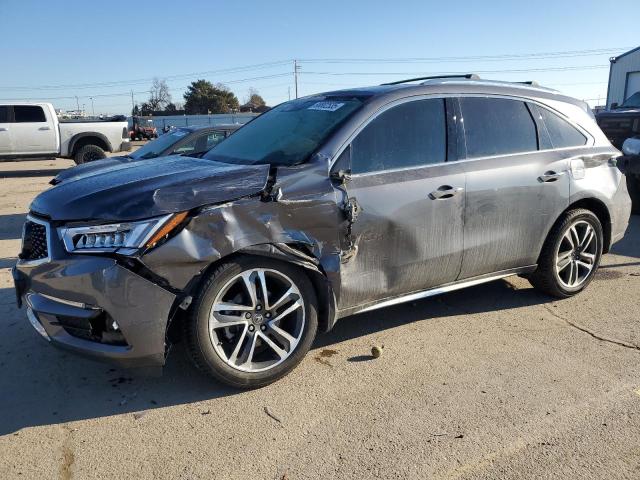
(156, 147)
(4, 114)
(213, 139)
(287, 134)
(497, 126)
(561, 133)
(409, 135)
(189, 146)
(28, 114)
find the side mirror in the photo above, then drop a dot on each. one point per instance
(614, 105)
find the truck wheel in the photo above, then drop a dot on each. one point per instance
(89, 153)
(253, 322)
(633, 186)
(570, 256)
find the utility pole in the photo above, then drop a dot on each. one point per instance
(77, 104)
(289, 92)
(133, 105)
(296, 69)
(93, 110)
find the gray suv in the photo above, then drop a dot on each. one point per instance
(321, 208)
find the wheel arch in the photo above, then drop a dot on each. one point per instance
(79, 140)
(600, 210)
(293, 253)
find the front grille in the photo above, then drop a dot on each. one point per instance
(34, 241)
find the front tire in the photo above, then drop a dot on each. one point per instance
(89, 153)
(253, 322)
(570, 256)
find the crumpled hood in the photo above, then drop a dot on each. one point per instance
(136, 190)
(89, 168)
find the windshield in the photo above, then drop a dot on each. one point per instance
(156, 147)
(632, 101)
(287, 134)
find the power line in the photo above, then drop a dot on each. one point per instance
(122, 94)
(476, 58)
(517, 70)
(451, 59)
(146, 80)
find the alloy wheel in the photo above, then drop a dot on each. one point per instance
(257, 320)
(576, 256)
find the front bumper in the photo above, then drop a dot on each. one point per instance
(66, 296)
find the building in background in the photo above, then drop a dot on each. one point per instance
(624, 77)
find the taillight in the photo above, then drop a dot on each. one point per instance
(125, 132)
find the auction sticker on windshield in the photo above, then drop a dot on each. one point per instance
(326, 106)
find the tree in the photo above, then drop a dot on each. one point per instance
(204, 97)
(136, 110)
(171, 107)
(159, 96)
(255, 99)
(146, 109)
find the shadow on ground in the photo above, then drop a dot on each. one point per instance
(30, 173)
(628, 246)
(42, 385)
(11, 226)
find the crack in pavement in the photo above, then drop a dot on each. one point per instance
(593, 334)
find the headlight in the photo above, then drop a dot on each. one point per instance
(130, 236)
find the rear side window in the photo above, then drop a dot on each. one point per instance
(497, 126)
(409, 135)
(4, 114)
(561, 132)
(28, 114)
(213, 139)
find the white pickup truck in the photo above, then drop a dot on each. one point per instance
(32, 130)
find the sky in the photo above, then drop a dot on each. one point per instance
(101, 51)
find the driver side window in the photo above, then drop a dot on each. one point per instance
(411, 134)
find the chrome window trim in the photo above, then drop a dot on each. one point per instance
(590, 139)
(40, 261)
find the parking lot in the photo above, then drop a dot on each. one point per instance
(496, 381)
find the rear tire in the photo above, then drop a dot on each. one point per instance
(253, 341)
(570, 256)
(89, 153)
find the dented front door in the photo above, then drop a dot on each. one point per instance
(408, 234)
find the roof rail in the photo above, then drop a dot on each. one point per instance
(468, 76)
(532, 83)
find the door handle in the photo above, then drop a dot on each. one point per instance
(550, 176)
(3, 129)
(444, 192)
(44, 128)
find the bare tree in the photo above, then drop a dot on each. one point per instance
(159, 96)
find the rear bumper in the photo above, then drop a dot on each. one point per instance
(620, 212)
(70, 301)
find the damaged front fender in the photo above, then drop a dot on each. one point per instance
(305, 225)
